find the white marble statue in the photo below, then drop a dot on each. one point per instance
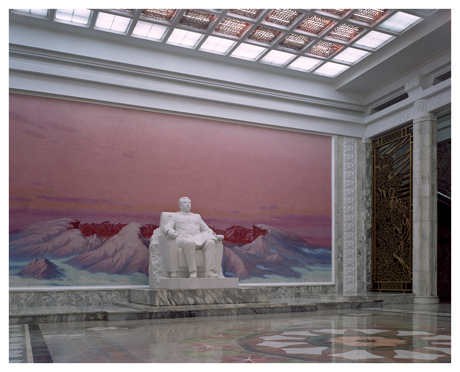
(191, 233)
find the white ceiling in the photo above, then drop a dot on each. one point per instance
(426, 39)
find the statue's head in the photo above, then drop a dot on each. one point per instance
(185, 204)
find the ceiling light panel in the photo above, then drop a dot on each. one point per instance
(249, 13)
(369, 16)
(324, 49)
(79, 16)
(399, 22)
(295, 42)
(283, 17)
(248, 51)
(331, 69)
(217, 45)
(164, 14)
(196, 19)
(184, 38)
(39, 12)
(305, 64)
(314, 24)
(110, 22)
(149, 30)
(351, 55)
(373, 40)
(264, 35)
(277, 58)
(232, 27)
(345, 32)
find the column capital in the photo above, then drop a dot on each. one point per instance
(421, 112)
(366, 140)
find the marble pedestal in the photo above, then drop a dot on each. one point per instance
(198, 283)
(164, 297)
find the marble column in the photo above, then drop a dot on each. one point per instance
(424, 184)
(349, 216)
(366, 149)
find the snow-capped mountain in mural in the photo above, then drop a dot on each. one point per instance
(257, 252)
(275, 252)
(41, 268)
(124, 253)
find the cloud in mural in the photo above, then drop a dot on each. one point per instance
(271, 207)
(64, 199)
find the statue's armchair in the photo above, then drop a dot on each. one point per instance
(173, 258)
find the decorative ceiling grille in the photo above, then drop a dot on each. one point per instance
(324, 49)
(196, 19)
(283, 17)
(294, 41)
(345, 32)
(231, 27)
(337, 12)
(264, 35)
(369, 16)
(250, 13)
(314, 24)
(166, 14)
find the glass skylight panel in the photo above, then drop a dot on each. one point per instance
(369, 16)
(264, 35)
(295, 42)
(248, 51)
(351, 55)
(165, 14)
(345, 32)
(196, 19)
(331, 69)
(184, 38)
(337, 12)
(232, 27)
(149, 30)
(399, 22)
(249, 13)
(283, 17)
(277, 58)
(112, 22)
(80, 16)
(217, 45)
(314, 24)
(373, 40)
(324, 49)
(304, 64)
(39, 12)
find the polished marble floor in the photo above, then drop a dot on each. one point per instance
(393, 334)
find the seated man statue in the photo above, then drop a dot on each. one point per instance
(191, 234)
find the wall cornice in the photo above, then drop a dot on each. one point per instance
(437, 97)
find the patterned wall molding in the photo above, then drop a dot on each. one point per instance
(349, 216)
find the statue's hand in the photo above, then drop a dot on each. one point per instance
(173, 233)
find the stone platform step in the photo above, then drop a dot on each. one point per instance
(131, 311)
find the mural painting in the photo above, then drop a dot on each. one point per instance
(88, 183)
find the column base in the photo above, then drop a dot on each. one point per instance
(426, 300)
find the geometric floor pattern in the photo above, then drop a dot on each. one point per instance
(406, 335)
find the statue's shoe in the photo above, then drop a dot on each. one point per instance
(210, 274)
(193, 275)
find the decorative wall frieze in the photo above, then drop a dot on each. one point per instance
(349, 216)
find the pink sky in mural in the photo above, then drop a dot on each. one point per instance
(105, 160)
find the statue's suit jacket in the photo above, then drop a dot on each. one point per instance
(190, 226)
